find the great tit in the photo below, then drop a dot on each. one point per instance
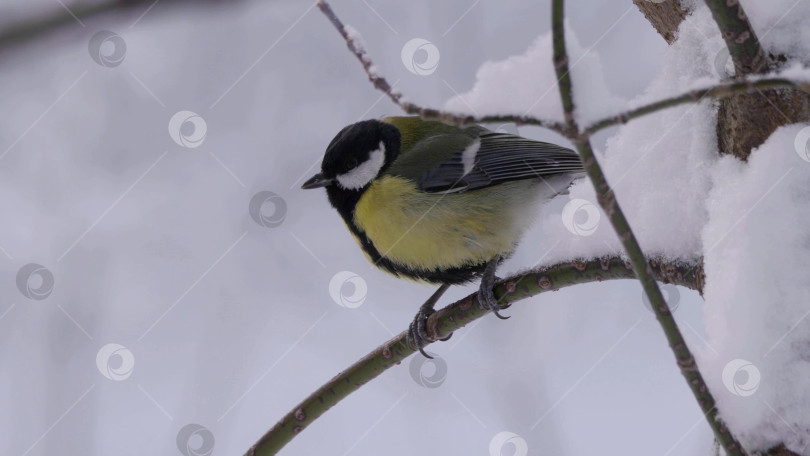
(439, 204)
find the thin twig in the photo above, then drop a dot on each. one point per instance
(451, 318)
(720, 91)
(717, 92)
(382, 84)
(607, 199)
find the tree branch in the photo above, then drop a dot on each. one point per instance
(740, 38)
(358, 49)
(607, 199)
(719, 92)
(687, 273)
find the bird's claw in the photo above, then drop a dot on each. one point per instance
(417, 332)
(417, 336)
(486, 295)
(486, 300)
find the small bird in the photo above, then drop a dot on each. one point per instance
(440, 204)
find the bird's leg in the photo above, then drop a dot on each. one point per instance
(417, 332)
(486, 297)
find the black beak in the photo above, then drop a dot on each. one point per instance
(317, 181)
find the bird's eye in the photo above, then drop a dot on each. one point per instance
(353, 163)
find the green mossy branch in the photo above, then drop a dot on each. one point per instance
(743, 44)
(687, 273)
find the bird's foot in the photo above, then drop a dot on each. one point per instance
(486, 295)
(418, 336)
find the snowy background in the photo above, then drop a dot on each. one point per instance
(166, 285)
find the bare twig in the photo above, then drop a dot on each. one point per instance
(453, 317)
(717, 92)
(720, 91)
(382, 84)
(607, 199)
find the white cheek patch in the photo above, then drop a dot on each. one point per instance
(360, 177)
(468, 156)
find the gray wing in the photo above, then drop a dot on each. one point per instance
(495, 158)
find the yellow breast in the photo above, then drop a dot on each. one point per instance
(434, 231)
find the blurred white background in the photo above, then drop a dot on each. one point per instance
(227, 324)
